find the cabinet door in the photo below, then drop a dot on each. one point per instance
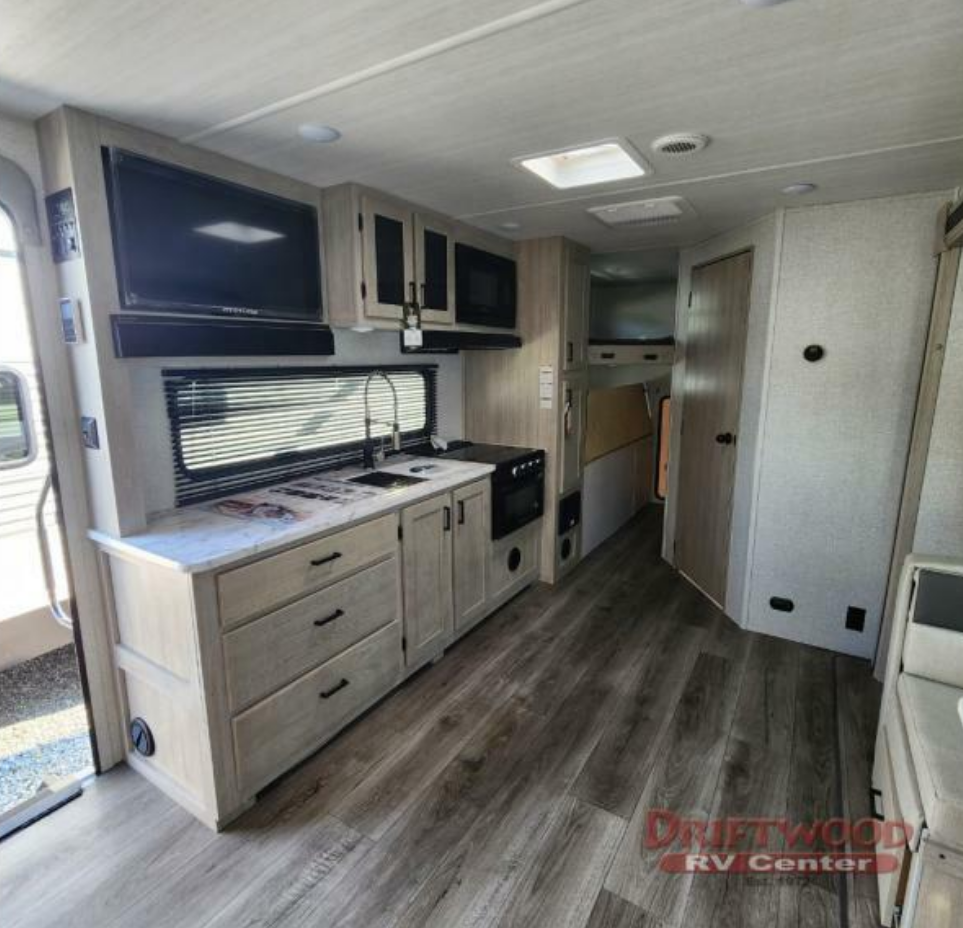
(387, 257)
(572, 427)
(575, 315)
(427, 575)
(435, 269)
(472, 539)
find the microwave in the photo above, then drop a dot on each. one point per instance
(485, 288)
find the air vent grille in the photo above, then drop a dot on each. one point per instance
(654, 212)
(680, 143)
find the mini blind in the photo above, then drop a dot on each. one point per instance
(235, 429)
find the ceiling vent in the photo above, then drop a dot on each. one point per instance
(657, 212)
(681, 143)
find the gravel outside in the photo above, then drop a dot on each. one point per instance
(43, 724)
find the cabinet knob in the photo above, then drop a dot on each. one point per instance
(725, 438)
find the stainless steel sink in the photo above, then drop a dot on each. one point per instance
(386, 481)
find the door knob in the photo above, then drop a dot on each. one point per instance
(726, 438)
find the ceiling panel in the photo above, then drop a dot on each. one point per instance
(485, 83)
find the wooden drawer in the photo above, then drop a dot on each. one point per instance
(265, 654)
(282, 729)
(274, 581)
(631, 354)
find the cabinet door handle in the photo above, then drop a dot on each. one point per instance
(608, 354)
(447, 518)
(412, 294)
(424, 292)
(461, 512)
(326, 560)
(340, 685)
(570, 351)
(329, 618)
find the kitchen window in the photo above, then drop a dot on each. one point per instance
(235, 429)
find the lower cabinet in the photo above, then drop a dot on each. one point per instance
(240, 673)
(471, 540)
(426, 556)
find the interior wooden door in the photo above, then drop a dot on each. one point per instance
(715, 344)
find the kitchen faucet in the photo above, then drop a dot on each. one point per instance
(368, 460)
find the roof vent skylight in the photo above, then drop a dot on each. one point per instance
(655, 212)
(595, 163)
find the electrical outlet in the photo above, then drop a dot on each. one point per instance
(855, 619)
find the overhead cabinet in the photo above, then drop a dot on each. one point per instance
(384, 256)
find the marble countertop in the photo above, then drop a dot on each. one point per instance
(198, 538)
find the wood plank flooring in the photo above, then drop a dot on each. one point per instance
(506, 786)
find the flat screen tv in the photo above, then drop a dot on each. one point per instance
(190, 243)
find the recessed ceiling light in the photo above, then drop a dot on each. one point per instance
(510, 226)
(798, 190)
(757, 3)
(595, 163)
(316, 133)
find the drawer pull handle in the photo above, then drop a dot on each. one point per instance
(608, 354)
(340, 685)
(329, 618)
(326, 560)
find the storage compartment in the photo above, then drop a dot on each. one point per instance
(615, 353)
(514, 562)
(275, 649)
(273, 581)
(278, 732)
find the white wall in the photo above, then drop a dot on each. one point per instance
(939, 526)
(151, 427)
(858, 279)
(18, 142)
(613, 490)
(763, 237)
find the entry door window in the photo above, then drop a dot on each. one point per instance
(16, 435)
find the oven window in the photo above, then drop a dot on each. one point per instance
(518, 505)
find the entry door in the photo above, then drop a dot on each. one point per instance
(715, 344)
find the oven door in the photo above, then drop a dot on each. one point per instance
(485, 286)
(516, 503)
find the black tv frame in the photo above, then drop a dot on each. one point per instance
(131, 302)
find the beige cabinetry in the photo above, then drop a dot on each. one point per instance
(536, 395)
(241, 672)
(427, 579)
(383, 255)
(572, 434)
(575, 312)
(471, 542)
